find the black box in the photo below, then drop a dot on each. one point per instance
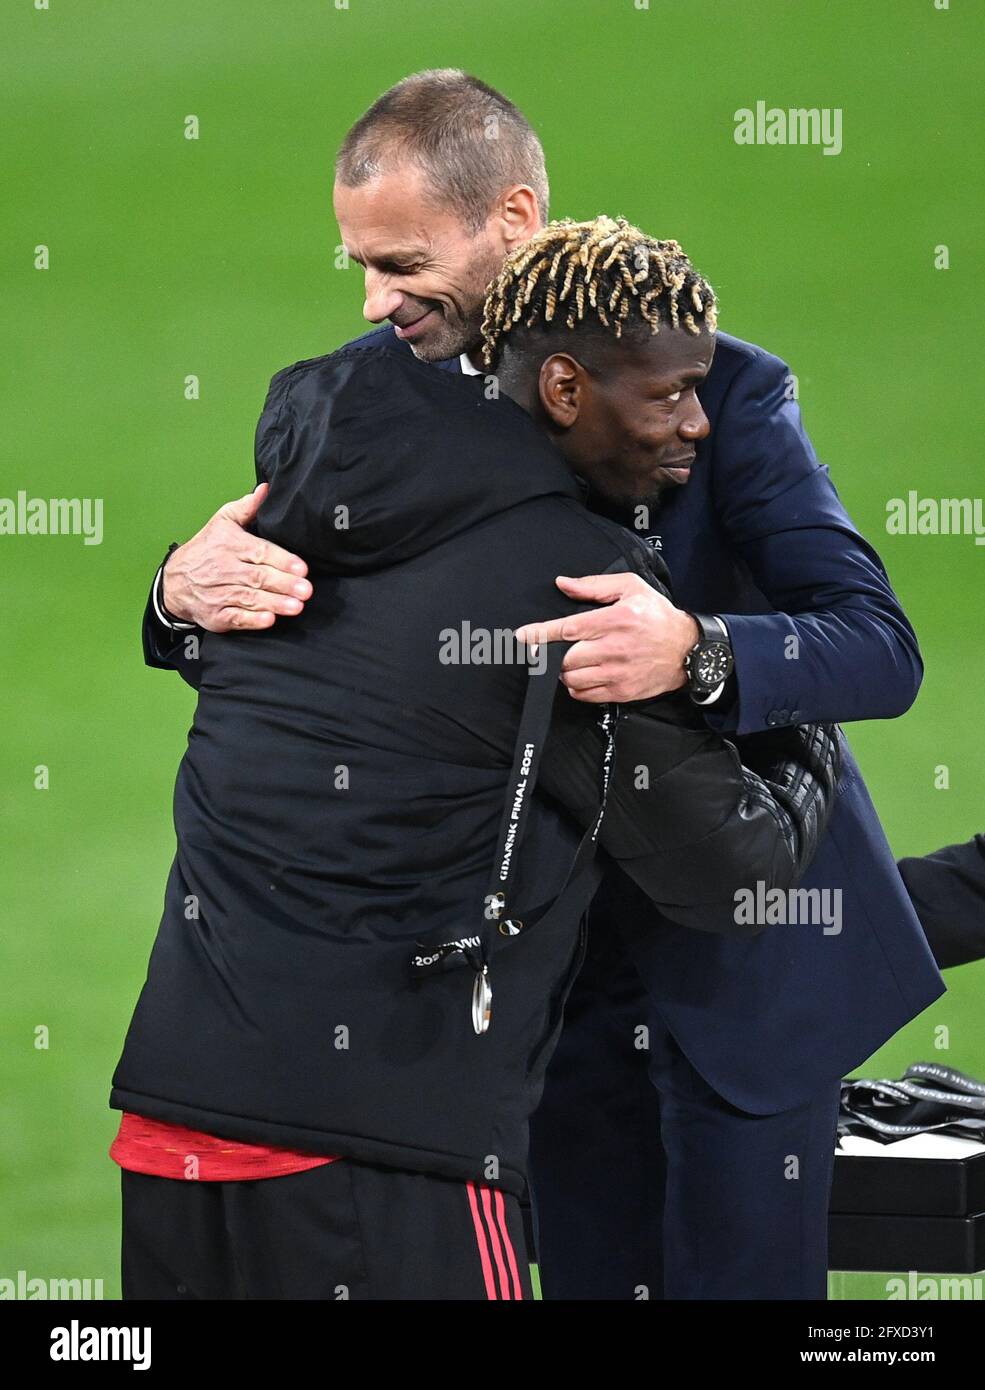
(873, 1185)
(931, 1244)
(923, 1214)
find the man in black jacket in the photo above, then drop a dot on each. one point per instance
(371, 923)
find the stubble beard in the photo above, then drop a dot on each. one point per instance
(451, 338)
(461, 330)
(628, 502)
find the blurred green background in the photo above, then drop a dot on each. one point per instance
(215, 257)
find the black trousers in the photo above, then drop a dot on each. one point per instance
(344, 1230)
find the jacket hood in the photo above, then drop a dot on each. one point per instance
(373, 457)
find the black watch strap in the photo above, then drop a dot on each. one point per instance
(710, 628)
(713, 648)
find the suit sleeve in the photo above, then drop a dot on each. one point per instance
(685, 818)
(947, 889)
(839, 646)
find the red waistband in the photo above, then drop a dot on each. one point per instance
(172, 1151)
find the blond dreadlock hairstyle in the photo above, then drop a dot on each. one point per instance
(605, 274)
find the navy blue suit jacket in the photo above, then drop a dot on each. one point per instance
(759, 536)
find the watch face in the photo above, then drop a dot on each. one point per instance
(713, 663)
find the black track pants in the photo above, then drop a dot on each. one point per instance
(342, 1230)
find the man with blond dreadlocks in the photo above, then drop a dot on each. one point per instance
(607, 268)
(684, 1145)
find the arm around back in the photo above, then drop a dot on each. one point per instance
(685, 818)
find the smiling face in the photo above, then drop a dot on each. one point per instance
(425, 271)
(630, 423)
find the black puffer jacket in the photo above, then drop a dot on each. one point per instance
(338, 805)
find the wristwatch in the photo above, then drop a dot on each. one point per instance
(710, 662)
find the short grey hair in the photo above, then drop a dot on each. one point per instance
(470, 142)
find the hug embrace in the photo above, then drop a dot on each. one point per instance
(440, 934)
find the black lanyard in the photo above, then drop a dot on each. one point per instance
(957, 1104)
(476, 949)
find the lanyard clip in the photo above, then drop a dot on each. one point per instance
(481, 1001)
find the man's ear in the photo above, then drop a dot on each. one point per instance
(561, 387)
(519, 216)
